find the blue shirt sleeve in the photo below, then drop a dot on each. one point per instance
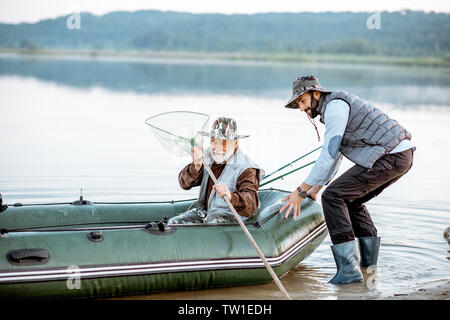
(335, 118)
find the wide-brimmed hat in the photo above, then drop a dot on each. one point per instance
(224, 129)
(302, 85)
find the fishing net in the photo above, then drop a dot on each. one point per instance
(177, 131)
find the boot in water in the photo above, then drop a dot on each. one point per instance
(369, 248)
(347, 263)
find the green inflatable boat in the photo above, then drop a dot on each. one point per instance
(98, 249)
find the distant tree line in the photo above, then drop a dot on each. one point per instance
(408, 33)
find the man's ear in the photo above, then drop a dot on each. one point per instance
(316, 95)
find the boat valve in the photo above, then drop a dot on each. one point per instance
(81, 201)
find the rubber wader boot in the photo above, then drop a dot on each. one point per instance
(369, 248)
(347, 263)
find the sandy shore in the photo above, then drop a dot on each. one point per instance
(436, 290)
(439, 290)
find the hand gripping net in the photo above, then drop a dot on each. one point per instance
(177, 131)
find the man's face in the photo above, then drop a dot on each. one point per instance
(222, 150)
(304, 102)
(220, 146)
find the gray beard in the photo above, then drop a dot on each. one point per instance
(219, 159)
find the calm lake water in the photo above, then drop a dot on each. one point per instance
(69, 123)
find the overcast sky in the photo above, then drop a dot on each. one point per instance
(16, 11)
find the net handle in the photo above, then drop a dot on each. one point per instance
(249, 236)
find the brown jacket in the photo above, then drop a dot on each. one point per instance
(244, 198)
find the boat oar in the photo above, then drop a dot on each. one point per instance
(249, 236)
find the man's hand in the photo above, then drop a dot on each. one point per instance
(222, 190)
(314, 191)
(293, 203)
(197, 157)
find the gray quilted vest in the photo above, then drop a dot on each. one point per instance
(230, 174)
(370, 133)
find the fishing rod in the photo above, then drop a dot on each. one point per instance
(288, 173)
(290, 163)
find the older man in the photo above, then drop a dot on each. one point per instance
(382, 152)
(238, 177)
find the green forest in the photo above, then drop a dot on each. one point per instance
(406, 34)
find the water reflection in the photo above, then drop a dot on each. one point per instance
(382, 84)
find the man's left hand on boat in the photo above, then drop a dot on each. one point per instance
(294, 200)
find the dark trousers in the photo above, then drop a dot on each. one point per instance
(343, 200)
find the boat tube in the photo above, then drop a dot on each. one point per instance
(96, 249)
